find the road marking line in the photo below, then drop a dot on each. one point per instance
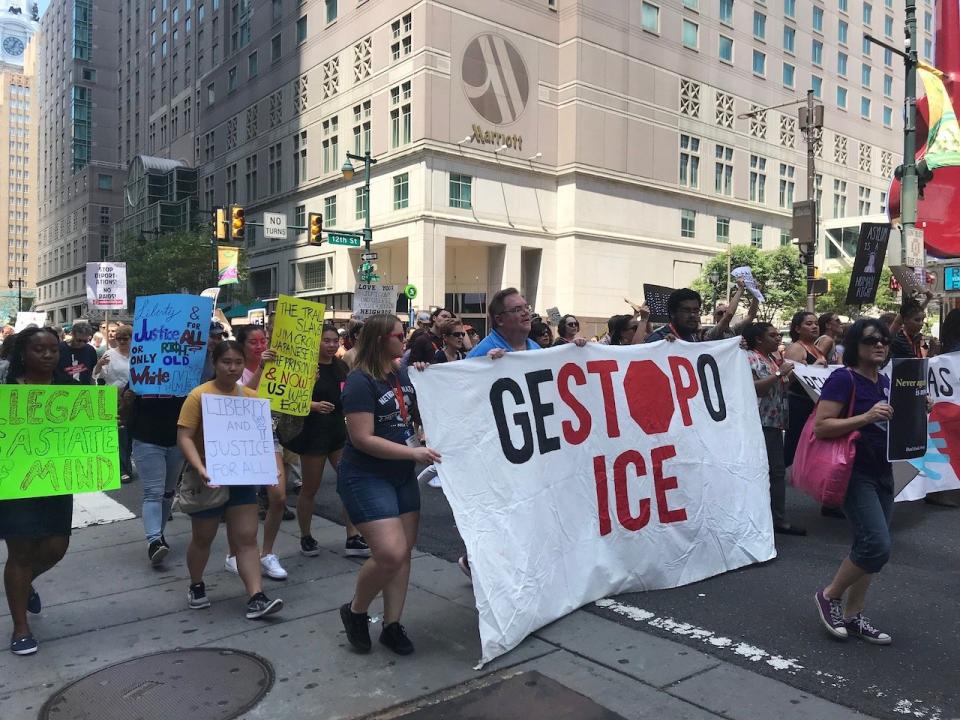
(97, 509)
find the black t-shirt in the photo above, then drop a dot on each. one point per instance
(363, 393)
(78, 363)
(328, 387)
(902, 346)
(424, 347)
(153, 420)
(441, 356)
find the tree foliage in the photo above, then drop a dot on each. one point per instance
(836, 299)
(779, 273)
(175, 262)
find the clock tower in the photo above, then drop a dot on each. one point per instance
(18, 23)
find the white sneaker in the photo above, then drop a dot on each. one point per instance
(429, 475)
(270, 565)
(230, 564)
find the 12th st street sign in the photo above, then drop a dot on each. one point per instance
(347, 239)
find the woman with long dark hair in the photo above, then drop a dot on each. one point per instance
(36, 530)
(856, 398)
(377, 482)
(541, 333)
(567, 330)
(803, 350)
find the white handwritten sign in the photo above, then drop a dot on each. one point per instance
(369, 300)
(238, 440)
(25, 319)
(744, 273)
(107, 285)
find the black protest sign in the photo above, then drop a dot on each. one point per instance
(907, 428)
(868, 264)
(656, 296)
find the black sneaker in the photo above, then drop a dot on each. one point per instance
(356, 546)
(260, 605)
(157, 551)
(34, 606)
(309, 546)
(395, 638)
(288, 514)
(197, 597)
(357, 627)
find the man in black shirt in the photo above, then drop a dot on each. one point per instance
(683, 308)
(78, 357)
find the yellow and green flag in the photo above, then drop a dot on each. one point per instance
(228, 258)
(943, 136)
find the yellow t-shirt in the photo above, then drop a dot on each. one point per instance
(191, 414)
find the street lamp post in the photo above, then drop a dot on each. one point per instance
(366, 269)
(19, 281)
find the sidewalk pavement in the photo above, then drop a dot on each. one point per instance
(103, 604)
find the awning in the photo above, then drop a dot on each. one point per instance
(240, 311)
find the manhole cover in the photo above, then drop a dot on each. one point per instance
(201, 683)
(527, 696)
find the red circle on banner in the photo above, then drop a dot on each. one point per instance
(649, 396)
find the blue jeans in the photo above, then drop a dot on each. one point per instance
(159, 469)
(869, 507)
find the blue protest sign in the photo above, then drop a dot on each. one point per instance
(169, 343)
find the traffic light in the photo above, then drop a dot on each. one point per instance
(219, 223)
(314, 228)
(237, 222)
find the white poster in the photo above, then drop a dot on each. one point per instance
(25, 319)
(746, 274)
(369, 300)
(212, 293)
(238, 440)
(107, 285)
(577, 473)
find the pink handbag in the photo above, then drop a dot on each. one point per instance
(822, 467)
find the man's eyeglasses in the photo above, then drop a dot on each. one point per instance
(519, 309)
(457, 334)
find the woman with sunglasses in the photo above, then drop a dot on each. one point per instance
(856, 398)
(453, 337)
(377, 480)
(769, 377)
(541, 333)
(567, 330)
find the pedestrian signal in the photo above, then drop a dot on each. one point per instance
(237, 222)
(314, 229)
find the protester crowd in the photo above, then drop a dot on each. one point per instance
(364, 423)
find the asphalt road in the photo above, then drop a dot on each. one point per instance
(763, 617)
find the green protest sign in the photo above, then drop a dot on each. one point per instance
(57, 440)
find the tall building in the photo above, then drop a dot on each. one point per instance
(81, 173)
(573, 148)
(18, 122)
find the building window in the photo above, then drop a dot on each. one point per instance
(725, 48)
(784, 237)
(302, 30)
(816, 84)
(865, 108)
(689, 161)
(842, 64)
(759, 25)
(275, 48)
(253, 187)
(330, 211)
(888, 58)
(401, 191)
(461, 191)
(758, 179)
(756, 235)
(314, 275)
(789, 73)
(300, 217)
(232, 79)
(867, 13)
(790, 8)
(789, 39)
(362, 129)
(865, 75)
(331, 153)
(299, 158)
(888, 86)
(104, 182)
(723, 171)
(888, 26)
(275, 167)
(818, 19)
(816, 53)
(650, 17)
(403, 39)
(863, 202)
(787, 173)
(688, 223)
(331, 10)
(839, 198)
(928, 22)
(723, 230)
(691, 35)
(362, 203)
(691, 4)
(842, 98)
(759, 63)
(211, 93)
(726, 11)
(887, 116)
(842, 29)
(401, 123)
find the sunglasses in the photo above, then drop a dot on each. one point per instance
(874, 340)
(457, 334)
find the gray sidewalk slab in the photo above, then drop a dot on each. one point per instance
(104, 604)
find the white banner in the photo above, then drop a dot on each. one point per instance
(25, 319)
(238, 440)
(107, 285)
(370, 300)
(576, 473)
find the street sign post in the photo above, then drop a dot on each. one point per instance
(410, 291)
(275, 226)
(346, 239)
(370, 257)
(913, 254)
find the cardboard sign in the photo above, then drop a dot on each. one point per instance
(107, 285)
(553, 314)
(57, 440)
(238, 440)
(907, 429)
(169, 343)
(26, 318)
(288, 381)
(630, 468)
(370, 300)
(749, 282)
(656, 296)
(868, 264)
